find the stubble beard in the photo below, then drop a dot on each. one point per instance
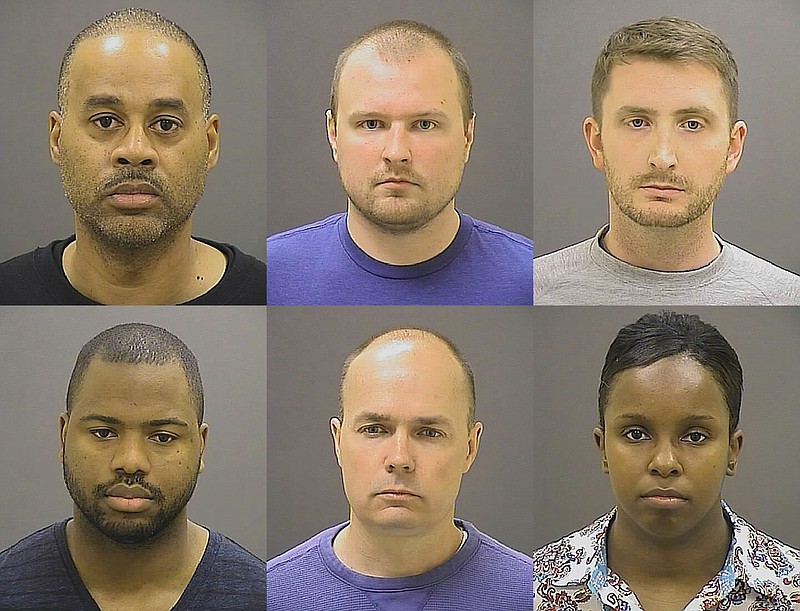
(400, 215)
(117, 232)
(669, 215)
(134, 531)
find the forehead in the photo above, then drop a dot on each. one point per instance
(664, 85)
(668, 390)
(426, 78)
(134, 391)
(405, 378)
(134, 65)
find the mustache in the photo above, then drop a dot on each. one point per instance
(132, 175)
(99, 490)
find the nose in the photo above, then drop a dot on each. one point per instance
(399, 456)
(397, 148)
(135, 149)
(130, 456)
(663, 156)
(664, 461)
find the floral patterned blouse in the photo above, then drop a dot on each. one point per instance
(760, 574)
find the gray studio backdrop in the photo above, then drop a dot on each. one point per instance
(757, 207)
(305, 352)
(39, 348)
(303, 41)
(570, 347)
(33, 39)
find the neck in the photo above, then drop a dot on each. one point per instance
(667, 249)
(382, 552)
(694, 558)
(158, 274)
(404, 248)
(103, 563)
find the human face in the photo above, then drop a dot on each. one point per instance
(133, 117)
(666, 448)
(132, 432)
(399, 138)
(666, 143)
(405, 441)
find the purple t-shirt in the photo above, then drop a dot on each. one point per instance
(320, 264)
(484, 575)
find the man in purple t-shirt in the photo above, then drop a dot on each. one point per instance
(404, 436)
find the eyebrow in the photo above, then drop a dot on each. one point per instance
(103, 100)
(644, 418)
(118, 422)
(645, 110)
(433, 112)
(382, 418)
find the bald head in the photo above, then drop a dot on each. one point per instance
(409, 355)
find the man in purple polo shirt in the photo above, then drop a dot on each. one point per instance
(404, 436)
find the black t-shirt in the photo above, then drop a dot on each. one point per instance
(37, 278)
(38, 573)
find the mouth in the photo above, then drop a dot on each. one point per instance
(129, 492)
(397, 493)
(664, 497)
(128, 499)
(393, 181)
(661, 190)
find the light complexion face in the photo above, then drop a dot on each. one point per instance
(666, 449)
(399, 138)
(131, 449)
(133, 123)
(665, 144)
(405, 441)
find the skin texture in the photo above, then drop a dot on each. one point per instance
(400, 119)
(115, 551)
(666, 427)
(405, 428)
(143, 254)
(663, 123)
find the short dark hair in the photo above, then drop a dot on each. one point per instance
(402, 39)
(658, 336)
(134, 19)
(136, 343)
(405, 333)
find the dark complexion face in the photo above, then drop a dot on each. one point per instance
(132, 449)
(133, 115)
(666, 448)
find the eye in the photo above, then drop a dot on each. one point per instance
(635, 435)
(102, 433)
(426, 125)
(163, 438)
(636, 123)
(105, 122)
(695, 437)
(431, 433)
(371, 124)
(166, 126)
(693, 125)
(371, 430)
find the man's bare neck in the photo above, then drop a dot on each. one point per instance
(666, 249)
(407, 248)
(399, 554)
(164, 274)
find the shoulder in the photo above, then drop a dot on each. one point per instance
(243, 283)
(780, 286)
(304, 556)
(509, 239)
(766, 561)
(312, 232)
(562, 269)
(33, 278)
(503, 555)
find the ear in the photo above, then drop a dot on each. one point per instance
(734, 447)
(63, 420)
(591, 133)
(469, 136)
(203, 438)
(330, 123)
(735, 146)
(473, 443)
(212, 135)
(54, 129)
(600, 441)
(336, 434)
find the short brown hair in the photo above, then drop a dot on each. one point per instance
(402, 39)
(669, 39)
(406, 333)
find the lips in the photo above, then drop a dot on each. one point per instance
(395, 179)
(129, 492)
(665, 495)
(129, 188)
(397, 492)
